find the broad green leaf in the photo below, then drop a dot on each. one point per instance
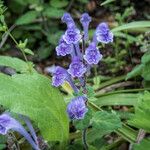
(33, 96)
(27, 18)
(105, 122)
(53, 12)
(137, 71)
(141, 119)
(132, 25)
(59, 3)
(146, 72)
(128, 99)
(15, 63)
(143, 145)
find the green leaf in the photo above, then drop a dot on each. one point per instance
(132, 25)
(15, 63)
(137, 71)
(107, 2)
(59, 3)
(33, 96)
(143, 145)
(28, 51)
(146, 72)
(128, 99)
(146, 58)
(84, 123)
(27, 18)
(53, 12)
(141, 119)
(105, 122)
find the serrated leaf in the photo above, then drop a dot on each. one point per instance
(59, 3)
(27, 18)
(137, 71)
(141, 119)
(132, 25)
(146, 72)
(84, 123)
(127, 99)
(53, 12)
(15, 63)
(105, 121)
(143, 145)
(33, 96)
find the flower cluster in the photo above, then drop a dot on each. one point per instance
(73, 43)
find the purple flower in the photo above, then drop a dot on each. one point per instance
(64, 49)
(85, 20)
(92, 54)
(72, 36)
(77, 68)
(59, 76)
(8, 123)
(66, 18)
(77, 109)
(103, 33)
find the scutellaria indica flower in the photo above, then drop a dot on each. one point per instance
(72, 36)
(103, 33)
(77, 109)
(92, 54)
(76, 68)
(85, 21)
(8, 123)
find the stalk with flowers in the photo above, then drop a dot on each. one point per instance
(84, 55)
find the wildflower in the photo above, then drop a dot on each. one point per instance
(103, 33)
(72, 36)
(77, 109)
(85, 21)
(64, 49)
(92, 54)
(76, 68)
(8, 123)
(59, 76)
(66, 18)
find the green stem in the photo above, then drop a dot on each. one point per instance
(18, 46)
(84, 135)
